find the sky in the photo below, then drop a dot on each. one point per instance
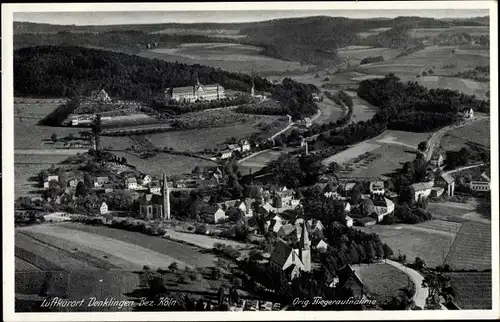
(149, 17)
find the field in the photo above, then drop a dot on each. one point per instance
(412, 64)
(363, 111)
(463, 59)
(472, 247)
(467, 86)
(75, 261)
(169, 163)
(29, 135)
(429, 241)
(477, 132)
(228, 56)
(356, 54)
(330, 112)
(28, 166)
(371, 32)
(219, 33)
(257, 162)
(382, 280)
(432, 32)
(473, 290)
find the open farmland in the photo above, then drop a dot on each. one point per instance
(197, 140)
(431, 245)
(362, 110)
(260, 160)
(356, 54)
(473, 290)
(463, 59)
(381, 280)
(412, 64)
(227, 56)
(433, 32)
(169, 163)
(477, 132)
(472, 247)
(406, 139)
(27, 167)
(371, 32)
(467, 86)
(27, 133)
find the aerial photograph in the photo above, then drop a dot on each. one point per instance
(292, 160)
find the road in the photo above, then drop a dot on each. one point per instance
(421, 293)
(466, 168)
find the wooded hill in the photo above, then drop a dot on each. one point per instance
(311, 40)
(60, 71)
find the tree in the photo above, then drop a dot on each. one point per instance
(387, 251)
(173, 266)
(81, 189)
(366, 207)
(422, 146)
(407, 195)
(419, 263)
(53, 137)
(355, 195)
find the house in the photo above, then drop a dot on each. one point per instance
(225, 154)
(72, 183)
(101, 96)
(466, 113)
(53, 177)
(349, 221)
(285, 199)
(268, 207)
(307, 122)
(244, 145)
(422, 189)
(437, 192)
(447, 182)
(146, 179)
(273, 225)
(211, 180)
(348, 187)
(103, 209)
(321, 245)
(332, 194)
(212, 214)
(108, 187)
(131, 183)
(349, 278)
(57, 217)
(286, 230)
(436, 160)
(315, 225)
(480, 183)
(382, 207)
(377, 187)
(195, 93)
(233, 147)
(100, 181)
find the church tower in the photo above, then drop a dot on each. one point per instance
(252, 91)
(165, 196)
(305, 248)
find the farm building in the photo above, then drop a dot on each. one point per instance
(422, 189)
(321, 245)
(315, 225)
(225, 154)
(57, 216)
(480, 183)
(100, 181)
(437, 192)
(212, 214)
(286, 230)
(131, 183)
(244, 145)
(146, 179)
(349, 221)
(382, 206)
(436, 160)
(447, 182)
(72, 183)
(195, 93)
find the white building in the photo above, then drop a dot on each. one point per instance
(103, 209)
(131, 183)
(146, 179)
(480, 183)
(377, 187)
(422, 189)
(244, 145)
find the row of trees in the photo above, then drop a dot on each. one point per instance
(370, 59)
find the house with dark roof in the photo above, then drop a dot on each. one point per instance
(436, 160)
(422, 189)
(447, 182)
(283, 257)
(480, 183)
(150, 206)
(212, 213)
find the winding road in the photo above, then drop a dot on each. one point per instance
(421, 293)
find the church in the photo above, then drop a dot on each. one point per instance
(153, 206)
(196, 92)
(292, 261)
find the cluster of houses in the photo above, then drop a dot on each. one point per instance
(243, 146)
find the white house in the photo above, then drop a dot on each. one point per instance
(383, 207)
(466, 113)
(436, 160)
(100, 181)
(53, 177)
(244, 145)
(322, 245)
(131, 183)
(377, 187)
(422, 189)
(103, 209)
(57, 216)
(226, 154)
(146, 179)
(213, 214)
(447, 182)
(349, 221)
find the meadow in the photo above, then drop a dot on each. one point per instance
(381, 280)
(477, 132)
(362, 110)
(356, 54)
(432, 32)
(259, 161)
(431, 245)
(473, 290)
(472, 247)
(467, 86)
(228, 56)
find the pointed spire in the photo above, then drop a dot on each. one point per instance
(304, 238)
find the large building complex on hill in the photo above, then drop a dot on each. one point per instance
(195, 93)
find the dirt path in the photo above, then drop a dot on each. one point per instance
(421, 293)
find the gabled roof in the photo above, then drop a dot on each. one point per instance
(233, 146)
(131, 180)
(281, 253)
(151, 199)
(422, 186)
(446, 177)
(287, 229)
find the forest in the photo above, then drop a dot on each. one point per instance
(65, 71)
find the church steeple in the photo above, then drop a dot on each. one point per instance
(165, 194)
(305, 248)
(252, 91)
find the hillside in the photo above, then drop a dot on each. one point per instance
(68, 71)
(312, 40)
